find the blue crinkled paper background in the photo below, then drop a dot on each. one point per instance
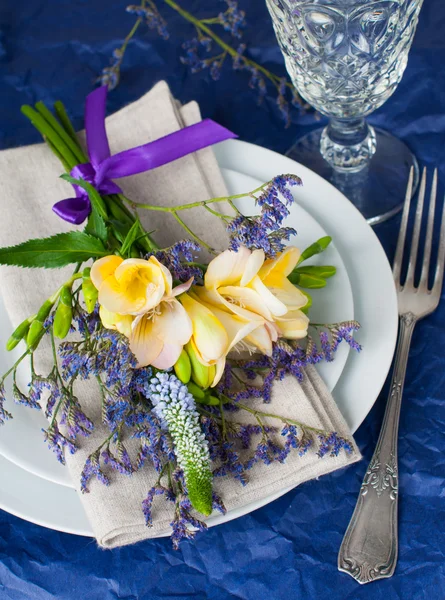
(54, 49)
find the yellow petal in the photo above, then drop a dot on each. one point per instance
(168, 356)
(247, 299)
(103, 268)
(142, 282)
(294, 325)
(227, 268)
(123, 324)
(209, 335)
(253, 265)
(181, 288)
(236, 327)
(261, 339)
(220, 364)
(112, 297)
(172, 324)
(108, 318)
(283, 264)
(165, 273)
(145, 346)
(289, 295)
(269, 299)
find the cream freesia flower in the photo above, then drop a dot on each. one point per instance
(159, 335)
(132, 286)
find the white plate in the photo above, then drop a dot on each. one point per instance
(375, 307)
(21, 441)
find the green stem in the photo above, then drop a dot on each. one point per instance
(65, 121)
(193, 235)
(216, 213)
(67, 139)
(173, 209)
(15, 365)
(48, 133)
(259, 413)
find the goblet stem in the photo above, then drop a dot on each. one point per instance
(348, 144)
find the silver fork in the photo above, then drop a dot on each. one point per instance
(369, 548)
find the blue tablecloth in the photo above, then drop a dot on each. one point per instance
(53, 50)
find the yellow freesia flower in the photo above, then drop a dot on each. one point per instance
(209, 338)
(132, 286)
(246, 284)
(121, 323)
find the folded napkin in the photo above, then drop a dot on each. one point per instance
(28, 187)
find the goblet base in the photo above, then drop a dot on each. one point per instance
(378, 190)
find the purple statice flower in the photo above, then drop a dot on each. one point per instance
(326, 346)
(92, 469)
(73, 417)
(37, 386)
(230, 463)
(53, 398)
(265, 230)
(238, 64)
(4, 414)
(332, 444)
(215, 70)
(176, 257)
(233, 19)
(147, 503)
(338, 332)
(58, 442)
(87, 323)
(193, 57)
(21, 398)
(184, 525)
(218, 504)
(119, 461)
(151, 17)
(110, 75)
(301, 443)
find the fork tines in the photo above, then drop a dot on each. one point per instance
(438, 278)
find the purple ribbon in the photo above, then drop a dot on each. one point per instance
(103, 167)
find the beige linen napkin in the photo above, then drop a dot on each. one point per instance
(29, 185)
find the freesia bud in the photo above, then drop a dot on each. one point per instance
(89, 290)
(201, 374)
(64, 314)
(36, 329)
(18, 335)
(183, 367)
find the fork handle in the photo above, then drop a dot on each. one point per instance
(369, 548)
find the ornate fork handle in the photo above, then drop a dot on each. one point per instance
(369, 548)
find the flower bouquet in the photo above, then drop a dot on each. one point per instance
(179, 340)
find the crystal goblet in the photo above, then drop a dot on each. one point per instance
(346, 58)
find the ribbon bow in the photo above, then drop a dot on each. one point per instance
(103, 167)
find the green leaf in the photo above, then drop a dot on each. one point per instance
(96, 226)
(324, 271)
(315, 248)
(309, 282)
(95, 198)
(53, 252)
(132, 235)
